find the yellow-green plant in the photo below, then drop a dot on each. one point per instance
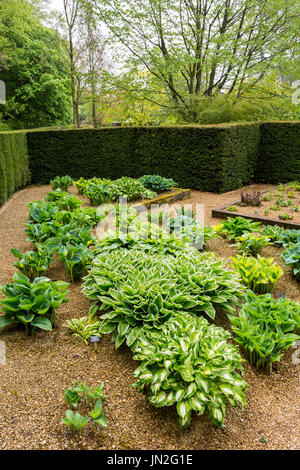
(258, 274)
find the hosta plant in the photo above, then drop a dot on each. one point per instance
(290, 237)
(291, 258)
(189, 364)
(64, 200)
(98, 193)
(235, 227)
(82, 217)
(33, 263)
(70, 235)
(258, 274)
(157, 183)
(62, 182)
(76, 259)
(40, 211)
(39, 233)
(275, 233)
(83, 395)
(32, 304)
(265, 327)
(84, 328)
(251, 243)
(131, 188)
(141, 290)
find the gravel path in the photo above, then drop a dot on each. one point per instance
(39, 369)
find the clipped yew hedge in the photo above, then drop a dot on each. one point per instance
(279, 160)
(216, 158)
(14, 167)
(212, 158)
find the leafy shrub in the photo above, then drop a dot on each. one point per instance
(235, 227)
(190, 364)
(32, 304)
(259, 274)
(142, 291)
(131, 188)
(33, 263)
(254, 199)
(84, 328)
(291, 258)
(61, 182)
(264, 328)
(76, 259)
(252, 243)
(157, 183)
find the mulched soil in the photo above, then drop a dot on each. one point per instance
(39, 369)
(268, 205)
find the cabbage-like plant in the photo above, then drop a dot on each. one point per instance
(189, 364)
(291, 258)
(32, 304)
(40, 212)
(265, 327)
(258, 274)
(235, 227)
(157, 183)
(141, 290)
(64, 200)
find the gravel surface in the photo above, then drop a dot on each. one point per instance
(39, 369)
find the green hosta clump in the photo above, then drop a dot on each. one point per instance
(291, 258)
(62, 182)
(143, 290)
(82, 183)
(290, 237)
(82, 217)
(265, 328)
(33, 263)
(98, 193)
(70, 235)
(259, 274)
(84, 328)
(185, 225)
(190, 364)
(76, 259)
(32, 304)
(131, 188)
(274, 233)
(64, 200)
(157, 183)
(252, 243)
(235, 227)
(40, 212)
(40, 233)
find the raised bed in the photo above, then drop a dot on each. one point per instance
(175, 194)
(222, 213)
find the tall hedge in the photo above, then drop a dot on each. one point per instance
(212, 158)
(14, 167)
(279, 160)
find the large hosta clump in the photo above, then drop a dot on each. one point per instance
(190, 364)
(142, 290)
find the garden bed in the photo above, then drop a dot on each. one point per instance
(39, 369)
(273, 207)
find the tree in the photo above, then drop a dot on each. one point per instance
(32, 69)
(199, 49)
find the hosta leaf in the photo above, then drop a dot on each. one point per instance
(42, 323)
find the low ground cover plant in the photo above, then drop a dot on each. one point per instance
(33, 263)
(141, 290)
(265, 327)
(251, 199)
(32, 304)
(190, 364)
(258, 274)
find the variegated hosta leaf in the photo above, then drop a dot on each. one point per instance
(202, 375)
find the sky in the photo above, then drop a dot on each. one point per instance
(56, 4)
